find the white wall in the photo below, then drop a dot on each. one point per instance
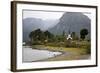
(5, 37)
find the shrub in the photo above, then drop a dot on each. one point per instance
(88, 49)
(72, 44)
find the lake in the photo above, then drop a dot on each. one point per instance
(31, 55)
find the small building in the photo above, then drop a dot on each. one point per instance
(69, 37)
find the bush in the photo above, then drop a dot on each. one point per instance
(71, 44)
(88, 49)
(55, 44)
(37, 43)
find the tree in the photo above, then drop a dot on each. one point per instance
(63, 33)
(74, 36)
(36, 35)
(48, 36)
(83, 33)
(31, 36)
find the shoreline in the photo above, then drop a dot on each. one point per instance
(44, 49)
(48, 53)
(63, 56)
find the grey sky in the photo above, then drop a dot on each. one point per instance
(44, 15)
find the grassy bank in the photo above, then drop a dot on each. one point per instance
(74, 53)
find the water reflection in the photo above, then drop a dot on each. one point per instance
(30, 55)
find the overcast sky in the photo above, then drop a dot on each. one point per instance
(46, 15)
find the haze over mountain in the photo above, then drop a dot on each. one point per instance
(31, 24)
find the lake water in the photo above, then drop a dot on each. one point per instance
(30, 55)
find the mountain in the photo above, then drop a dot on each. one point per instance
(49, 23)
(73, 21)
(30, 24)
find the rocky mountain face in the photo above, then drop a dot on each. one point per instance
(73, 22)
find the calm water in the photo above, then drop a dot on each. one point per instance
(29, 54)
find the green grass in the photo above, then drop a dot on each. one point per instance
(77, 49)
